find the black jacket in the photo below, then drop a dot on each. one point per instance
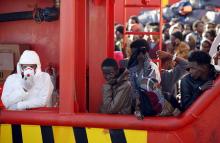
(189, 88)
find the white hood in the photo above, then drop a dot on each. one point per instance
(29, 57)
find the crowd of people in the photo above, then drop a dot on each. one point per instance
(134, 83)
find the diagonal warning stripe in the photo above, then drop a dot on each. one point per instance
(135, 136)
(5, 133)
(117, 136)
(98, 135)
(31, 134)
(80, 135)
(63, 134)
(16, 134)
(47, 134)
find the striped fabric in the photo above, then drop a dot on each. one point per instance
(64, 134)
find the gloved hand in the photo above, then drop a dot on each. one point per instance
(28, 78)
(13, 107)
(28, 83)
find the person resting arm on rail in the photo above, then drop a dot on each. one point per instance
(29, 87)
(200, 78)
(116, 90)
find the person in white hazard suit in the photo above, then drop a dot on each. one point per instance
(29, 87)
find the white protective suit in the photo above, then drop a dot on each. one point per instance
(14, 97)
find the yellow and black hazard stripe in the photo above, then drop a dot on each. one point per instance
(64, 134)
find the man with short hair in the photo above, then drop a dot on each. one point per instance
(29, 87)
(198, 27)
(116, 90)
(200, 78)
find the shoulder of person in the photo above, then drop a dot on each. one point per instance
(166, 72)
(186, 79)
(153, 65)
(13, 76)
(13, 80)
(127, 83)
(43, 76)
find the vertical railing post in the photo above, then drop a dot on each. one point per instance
(67, 57)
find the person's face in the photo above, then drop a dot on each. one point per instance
(166, 35)
(196, 71)
(109, 74)
(180, 27)
(133, 50)
(118, 35)
(166, 32)
(208, 36)
(154, 38)
(186, 30)
(175, 41)
(200, 27)
(141, 57)
(217, 29)
(133, 21)
(24, 66)
(172, 40)
(205, 47)
(28, 70)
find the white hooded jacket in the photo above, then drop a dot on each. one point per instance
(15, 98)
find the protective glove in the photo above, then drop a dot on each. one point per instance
(28, 78)
(28, 83)
(13, 107)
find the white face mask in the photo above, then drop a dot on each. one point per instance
(28, 73)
